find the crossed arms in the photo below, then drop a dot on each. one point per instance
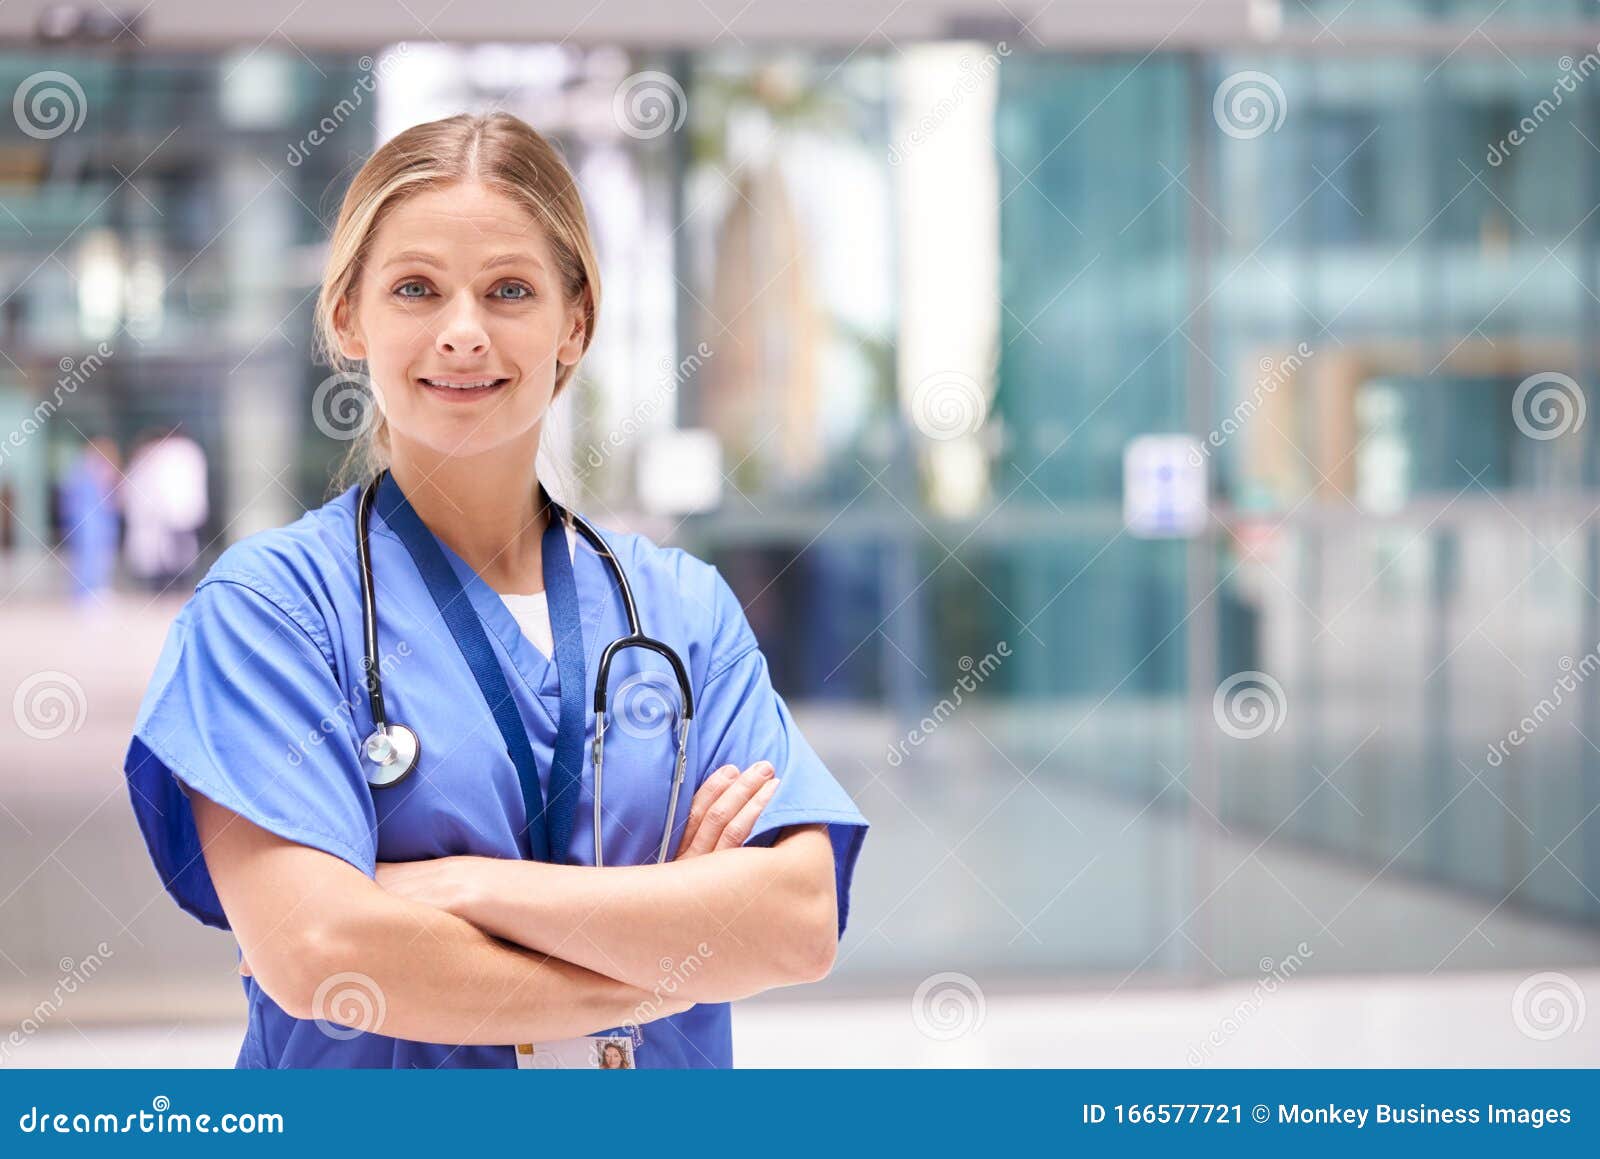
(469, 950)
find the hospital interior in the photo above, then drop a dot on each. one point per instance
(1150, 441)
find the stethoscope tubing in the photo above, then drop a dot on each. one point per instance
(391, 741)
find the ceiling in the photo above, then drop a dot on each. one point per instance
(1024, 24)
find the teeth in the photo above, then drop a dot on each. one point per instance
(461, 385)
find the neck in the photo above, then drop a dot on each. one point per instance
(485, 507)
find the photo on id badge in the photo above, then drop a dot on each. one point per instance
(593, 1052)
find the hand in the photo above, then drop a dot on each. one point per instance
(721, 816)
(441, 882)
(725, 808)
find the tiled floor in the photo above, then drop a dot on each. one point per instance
(1065, 905)
(1469, 1019)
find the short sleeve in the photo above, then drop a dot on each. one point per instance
(745, 721)
(245, 708)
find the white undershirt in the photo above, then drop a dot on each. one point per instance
(532, 611)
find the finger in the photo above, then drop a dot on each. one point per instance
(738, 830)
(726, 807)
(710, 789)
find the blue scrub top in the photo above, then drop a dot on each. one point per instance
(258, 702)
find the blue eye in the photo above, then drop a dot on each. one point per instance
(403, 285)
(527, 292)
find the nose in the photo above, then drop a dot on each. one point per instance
(462, 332)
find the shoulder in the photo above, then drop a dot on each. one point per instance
(295, 568)
(710, 612)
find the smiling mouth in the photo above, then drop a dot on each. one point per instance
(464, 389)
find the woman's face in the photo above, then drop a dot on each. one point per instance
(460, 287)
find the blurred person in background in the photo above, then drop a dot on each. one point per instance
(8, 527)
(165, 503)
(89, 518)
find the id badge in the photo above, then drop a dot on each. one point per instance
(591, 1052)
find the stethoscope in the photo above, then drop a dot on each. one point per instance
(392, 749)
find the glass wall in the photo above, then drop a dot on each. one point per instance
(1342, 305)
(1335, 16)
(1418, 556)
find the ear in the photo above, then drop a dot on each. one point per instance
(350, 343)
(571, 348)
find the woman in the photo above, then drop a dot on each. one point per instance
(457, 915)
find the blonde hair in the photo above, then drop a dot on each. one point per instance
(496, 149)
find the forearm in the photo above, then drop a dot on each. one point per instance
(326, 941)
(438, 978)
(714, 928)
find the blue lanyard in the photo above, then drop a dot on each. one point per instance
(548, 828)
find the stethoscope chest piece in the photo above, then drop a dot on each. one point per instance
(391, 753)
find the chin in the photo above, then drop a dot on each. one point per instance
(467, 439)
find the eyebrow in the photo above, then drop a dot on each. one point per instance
(428, 259)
